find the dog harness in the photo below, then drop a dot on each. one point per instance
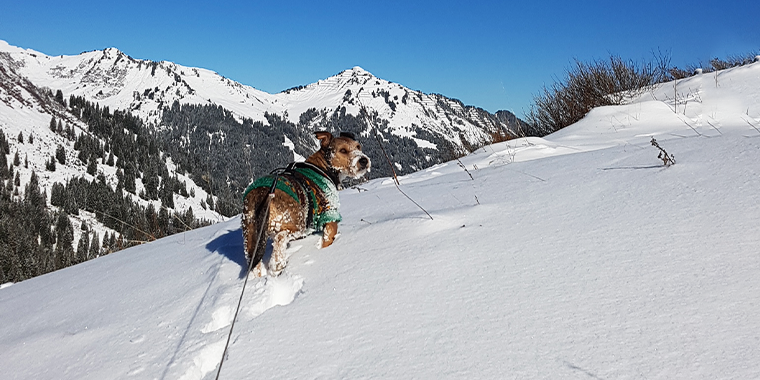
(310, 187)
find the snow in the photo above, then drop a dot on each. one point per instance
(573, 256)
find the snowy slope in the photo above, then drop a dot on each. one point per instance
(574, 256)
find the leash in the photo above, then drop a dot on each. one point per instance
(267, 201)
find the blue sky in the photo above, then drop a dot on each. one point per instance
(491, 54)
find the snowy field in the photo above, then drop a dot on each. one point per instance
(575, 256)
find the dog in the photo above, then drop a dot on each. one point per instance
(304, 200)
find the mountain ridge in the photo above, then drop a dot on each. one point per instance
(113, 78)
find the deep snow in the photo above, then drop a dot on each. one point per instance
(574, 256)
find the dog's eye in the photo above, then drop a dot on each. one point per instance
(343, 150)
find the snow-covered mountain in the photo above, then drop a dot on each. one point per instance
(114, 79)
(27, 108)
(54, 155)
(574, 256)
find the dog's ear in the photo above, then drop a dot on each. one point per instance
(324, 138)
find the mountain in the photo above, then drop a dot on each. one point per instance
(435, 126)
(167, 147)
(578, 255)
(118, 81)
(80, 181)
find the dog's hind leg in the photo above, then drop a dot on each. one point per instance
(254, 238)
(254, 250)
(279, 246)
(258, 264)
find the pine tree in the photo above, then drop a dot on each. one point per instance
(59, 97)
(129, 178)
(163, 222)
(32, 193)
(60, 154)
(64, 248)
(50, 165)
(57, 194)
(210, 201)
(112, 243)
(166, 195)
(4, 167)
(83, 248)
(105, 247)
(94, 246)
(4, 146)
(92, 165)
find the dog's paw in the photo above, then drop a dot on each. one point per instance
(259, 270)
(275, 269)
(326, 241)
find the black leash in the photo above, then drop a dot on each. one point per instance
(267, 200)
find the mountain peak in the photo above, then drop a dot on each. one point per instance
(356, 71)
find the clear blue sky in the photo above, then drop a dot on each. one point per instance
(491, 54)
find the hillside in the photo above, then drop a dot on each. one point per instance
(578, 255)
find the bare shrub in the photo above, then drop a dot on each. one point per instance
(719, 64)
(715, 64)
(667, 160)
(678, 73)
(590, 85)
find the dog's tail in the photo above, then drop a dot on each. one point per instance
(255, 218)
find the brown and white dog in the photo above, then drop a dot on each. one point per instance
(305, 199)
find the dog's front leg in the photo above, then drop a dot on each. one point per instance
(328, 233)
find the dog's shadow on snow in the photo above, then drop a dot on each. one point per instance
(230, 245)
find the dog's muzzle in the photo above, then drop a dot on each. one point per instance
(360, 165)
(363, 163)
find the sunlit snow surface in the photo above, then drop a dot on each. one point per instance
(574, 256)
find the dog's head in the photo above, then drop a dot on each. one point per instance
(343, 154)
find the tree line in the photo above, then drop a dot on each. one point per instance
(36, 238)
